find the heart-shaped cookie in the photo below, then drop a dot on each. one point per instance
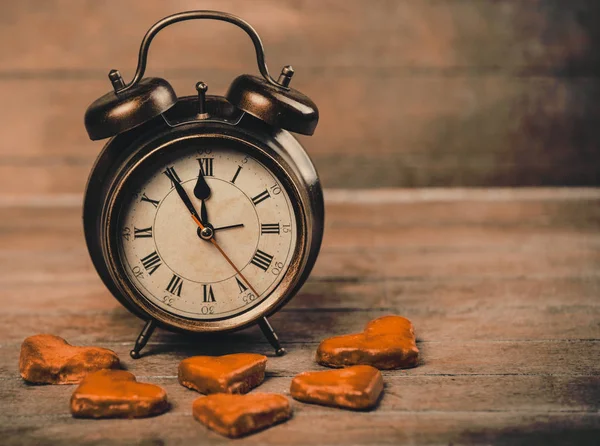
(386, 343)
(49, 359)
(355, 387)
(238, 415)
(236, 373)
(117, 394)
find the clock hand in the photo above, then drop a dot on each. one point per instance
(240, 225)
(183, 195)
(216, 245)
(209, 234)
(201, 190)
(214, 242)
(204, 214)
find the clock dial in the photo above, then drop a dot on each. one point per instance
(173, 267)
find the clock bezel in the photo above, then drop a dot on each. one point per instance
(182, 118)
(267, 305)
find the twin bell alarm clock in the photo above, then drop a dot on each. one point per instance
(203, 214)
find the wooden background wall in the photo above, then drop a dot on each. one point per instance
(411, 92)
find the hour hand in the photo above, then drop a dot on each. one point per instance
(201, 190)
(220, 228)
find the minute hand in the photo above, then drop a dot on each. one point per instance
(183, 195)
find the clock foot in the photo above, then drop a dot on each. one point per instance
(142, 339)
(271, 336)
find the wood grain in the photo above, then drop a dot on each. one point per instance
(550, 394)
(324, 428)
(567, 358)
(502, 289)
(420, 132)
(430, 93)
(434, 34)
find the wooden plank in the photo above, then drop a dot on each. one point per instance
(403, 211)
(87, 293)
(576, 262)
(550, 394)
(347, 266)
(65, 174)
(321, 428)
(404, 226)
(507, 230)
(431, 35)
(42, 235)
(421, 132)
(57, 242)
(540, 208)
(566, 358)
(401, 113)
(491, 322)
(459, 294)
(574, 213)
(502, 93)
(503, 296)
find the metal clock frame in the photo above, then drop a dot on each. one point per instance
(126, 153)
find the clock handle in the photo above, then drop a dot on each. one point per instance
(193, 15)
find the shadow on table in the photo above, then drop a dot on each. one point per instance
(547, 434)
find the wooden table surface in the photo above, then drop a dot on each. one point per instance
(502, 286)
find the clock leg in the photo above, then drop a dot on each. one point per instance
(142, 339)
(271, 336)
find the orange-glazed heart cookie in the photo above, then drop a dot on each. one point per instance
(355, 387)
(237, 373)
(239, 415)
(117, 394)
(386, 343)
(49, 359)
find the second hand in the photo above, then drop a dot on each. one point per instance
(216, 245)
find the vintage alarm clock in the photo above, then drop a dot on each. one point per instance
(203, 214)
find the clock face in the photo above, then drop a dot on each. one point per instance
(254, 232)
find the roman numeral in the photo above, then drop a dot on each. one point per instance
(151, 262)
(262, 260)
(172, 175)
(149, 200)
(209, 296)
(237, 172)
(206, 166)
(269, 228)
(261, 197)
(174, 286)
(241, 285)
(142, 233)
